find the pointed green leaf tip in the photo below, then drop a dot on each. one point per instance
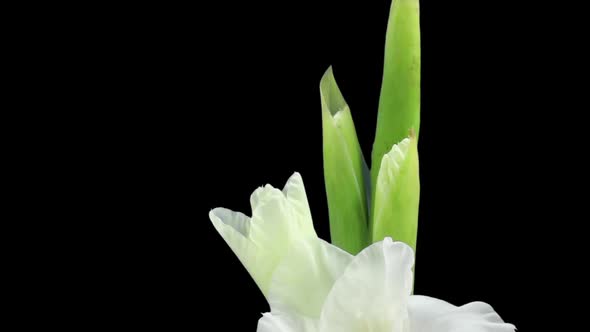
(397, 194)
(344, 170)
(399, 103)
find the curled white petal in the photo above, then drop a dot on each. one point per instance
(428, 314)
(372, 293)
(234, 227)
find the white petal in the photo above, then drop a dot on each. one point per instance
(428, 314)
(294, 190)
(234, 227)
(372, 293)
(279, 220)
(278, 322)
(305, 277)
(237, 220)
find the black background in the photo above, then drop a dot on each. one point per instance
(226, 98)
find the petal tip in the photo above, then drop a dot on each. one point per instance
(213, 214)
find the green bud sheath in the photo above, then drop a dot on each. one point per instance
(397, 194)
(345, 170)
(399, 103)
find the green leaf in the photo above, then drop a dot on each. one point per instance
(397, 194)
(343, 170)
(399, 103)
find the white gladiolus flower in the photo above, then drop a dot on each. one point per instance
(313, 286)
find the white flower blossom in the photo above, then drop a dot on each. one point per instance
(313, 286)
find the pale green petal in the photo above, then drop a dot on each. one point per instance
(282, 322)
(428, 314)
(305, 276)
(235, 220)
(234, 227)
(280, 219)
(399, 102)
(372, 293)
(344, 169)
(294, 191)
(397, 195)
